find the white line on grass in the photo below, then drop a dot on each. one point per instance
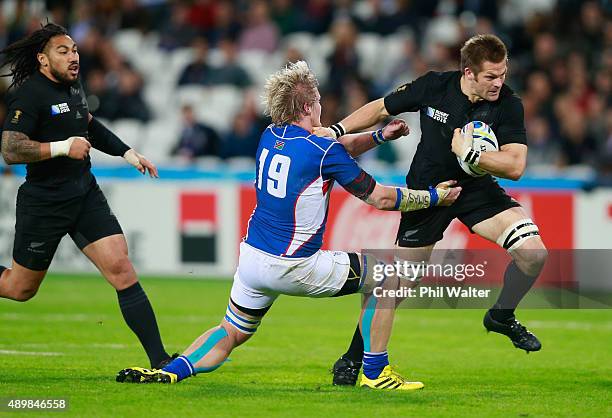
(30, 353)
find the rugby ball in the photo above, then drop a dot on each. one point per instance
(484, 140)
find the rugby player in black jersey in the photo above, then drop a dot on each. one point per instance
(49, 128)
(447, 101)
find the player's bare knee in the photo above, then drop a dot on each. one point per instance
(121, 273)
(522, 240)
(531, 259)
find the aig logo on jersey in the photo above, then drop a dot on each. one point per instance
(436, 114)
(59, 108)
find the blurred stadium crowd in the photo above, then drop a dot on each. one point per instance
(181, 80)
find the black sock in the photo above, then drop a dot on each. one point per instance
(139, 316)
(355, 351)
(516, 286)
(2, 268)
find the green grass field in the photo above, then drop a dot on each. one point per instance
(70, 340)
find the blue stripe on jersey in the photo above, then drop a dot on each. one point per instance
(292, 184)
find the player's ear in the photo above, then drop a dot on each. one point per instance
(43, 60)
(307, 109)
(469, 74)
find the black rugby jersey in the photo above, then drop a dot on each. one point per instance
(47, 111)
(443, 107)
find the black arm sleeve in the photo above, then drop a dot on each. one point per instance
(362, 187)
(101, 138)
(410, 97)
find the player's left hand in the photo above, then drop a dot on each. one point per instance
(323, 132)
(141, 163)
(461, 142)
(448, 192)
(395, 129)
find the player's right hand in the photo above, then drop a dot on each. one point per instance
(395, 129)
(79, 148)
(447, 193)
(322, 131)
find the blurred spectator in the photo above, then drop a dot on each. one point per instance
(98, 94)
(344, 61)
(128, 97)
(198, 71)
(260, 33)
(123, 101)
(226, 25)
(243, 138)
(317, 17)
(177, 32)
(542, 146)
(285, 16)
(196, 139)
(230, 72)
(202, 14)
(577, 146)
(134, 15)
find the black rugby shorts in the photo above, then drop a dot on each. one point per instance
(41, 224)
(425, 227)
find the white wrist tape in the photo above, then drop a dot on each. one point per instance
(131, 157)
(61, 148)
(409, 200)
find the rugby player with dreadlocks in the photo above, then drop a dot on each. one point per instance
(49, 128)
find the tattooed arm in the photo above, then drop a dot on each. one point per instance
(18, 148)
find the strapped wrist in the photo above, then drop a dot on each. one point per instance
(410, 200)
(338, 129)
(471, 156)
(378, 137)
(61, 148)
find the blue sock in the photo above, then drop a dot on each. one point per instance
(374, 363)
(180, 366)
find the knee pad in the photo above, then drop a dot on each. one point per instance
(241, 323)
(516, 234)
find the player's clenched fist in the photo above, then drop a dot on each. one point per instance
(79, 148)
(75, 147)
(395, 129)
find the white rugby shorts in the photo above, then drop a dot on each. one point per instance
(261, 277)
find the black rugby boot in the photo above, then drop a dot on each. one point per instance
(346, 372)
(512, 328)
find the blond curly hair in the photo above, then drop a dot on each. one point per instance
(287, 91)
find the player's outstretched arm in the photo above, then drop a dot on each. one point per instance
(509, 162)
(106, 141)
(357, 144)
(18, 148)
(367, 115)
(407, 200)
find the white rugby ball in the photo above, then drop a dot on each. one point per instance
(484, 140)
